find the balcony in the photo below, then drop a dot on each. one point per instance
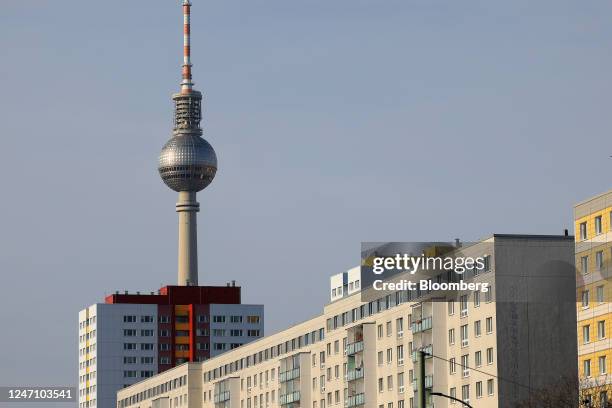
(289, 375)
(289, 398)
(354, 348)
(421, 325)
(426, 349)
(428, 382)
(353, 375)
(222, 397)
(355, 401)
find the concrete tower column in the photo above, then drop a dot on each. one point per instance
(187, 209)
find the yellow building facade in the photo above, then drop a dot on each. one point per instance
(593, 234)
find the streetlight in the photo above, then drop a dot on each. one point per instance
(451, 398)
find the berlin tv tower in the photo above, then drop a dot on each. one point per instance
(187, 162)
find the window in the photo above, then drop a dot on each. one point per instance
(380, 331)
(489, 323)
(400, 383)
(381, 386)
(465, 363)
(465, 393)
(452, 366)
(600, 294)
(489, 294)
(129, 319)
(476, 298)
(583, 231)
(601, 329)
(598, 229)
(464, 335)
(253, 319)
(584, 263)
(586, 334)
(236, 319)
(399, 326)
(400, 355)
(453, 393)
(490, 355)
(380, 358)
(451, 336)
(218, 319)
(586, 365)
(490, 389)
(599, 260)
(478, 358)
(389, 382)
(585, 298)
(477, 328)
(479, 389)
(602, 365)
(451, 308)
(253, 333)
(389, 356)
(463, 300)
(389, 329)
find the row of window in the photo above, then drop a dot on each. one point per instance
(598, 226)
(465, 391)
(465, 362)
(601, 331)
(154, 391)
(250, 319)
(602, 363)
(134, 374)
(464, 331)
(586, 296)
(266, 354)
(599, 262)
(351, 286)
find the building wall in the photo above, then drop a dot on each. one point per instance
(123, 343)
(593, 290)
(112, 366)
(369, 361)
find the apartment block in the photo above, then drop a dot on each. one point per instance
(593, 223)
(132, 337)
(489, 349)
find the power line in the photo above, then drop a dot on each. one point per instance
(483, 372)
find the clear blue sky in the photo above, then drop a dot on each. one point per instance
(335, 122)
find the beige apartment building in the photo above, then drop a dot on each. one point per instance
(487, 348)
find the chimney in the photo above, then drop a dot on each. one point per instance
(233, 283)
(566, 232)
(457, 243)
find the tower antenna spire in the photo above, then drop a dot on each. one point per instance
(186, 84)
(187, 162)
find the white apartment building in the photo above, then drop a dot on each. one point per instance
(490, 348)
(123, 343)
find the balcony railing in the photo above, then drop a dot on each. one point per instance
(426, 349)
(222, 397)
(354, 348)
(421, 325)
(289, 375)
(353, 375)
(428, 382)
(355, 401)
(289, 398)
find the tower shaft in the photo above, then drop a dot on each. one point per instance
(187, 208)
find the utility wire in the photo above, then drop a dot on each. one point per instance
(483, 372)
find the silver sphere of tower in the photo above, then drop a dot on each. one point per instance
(187, 163)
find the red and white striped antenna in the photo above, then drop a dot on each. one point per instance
(186, 84)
